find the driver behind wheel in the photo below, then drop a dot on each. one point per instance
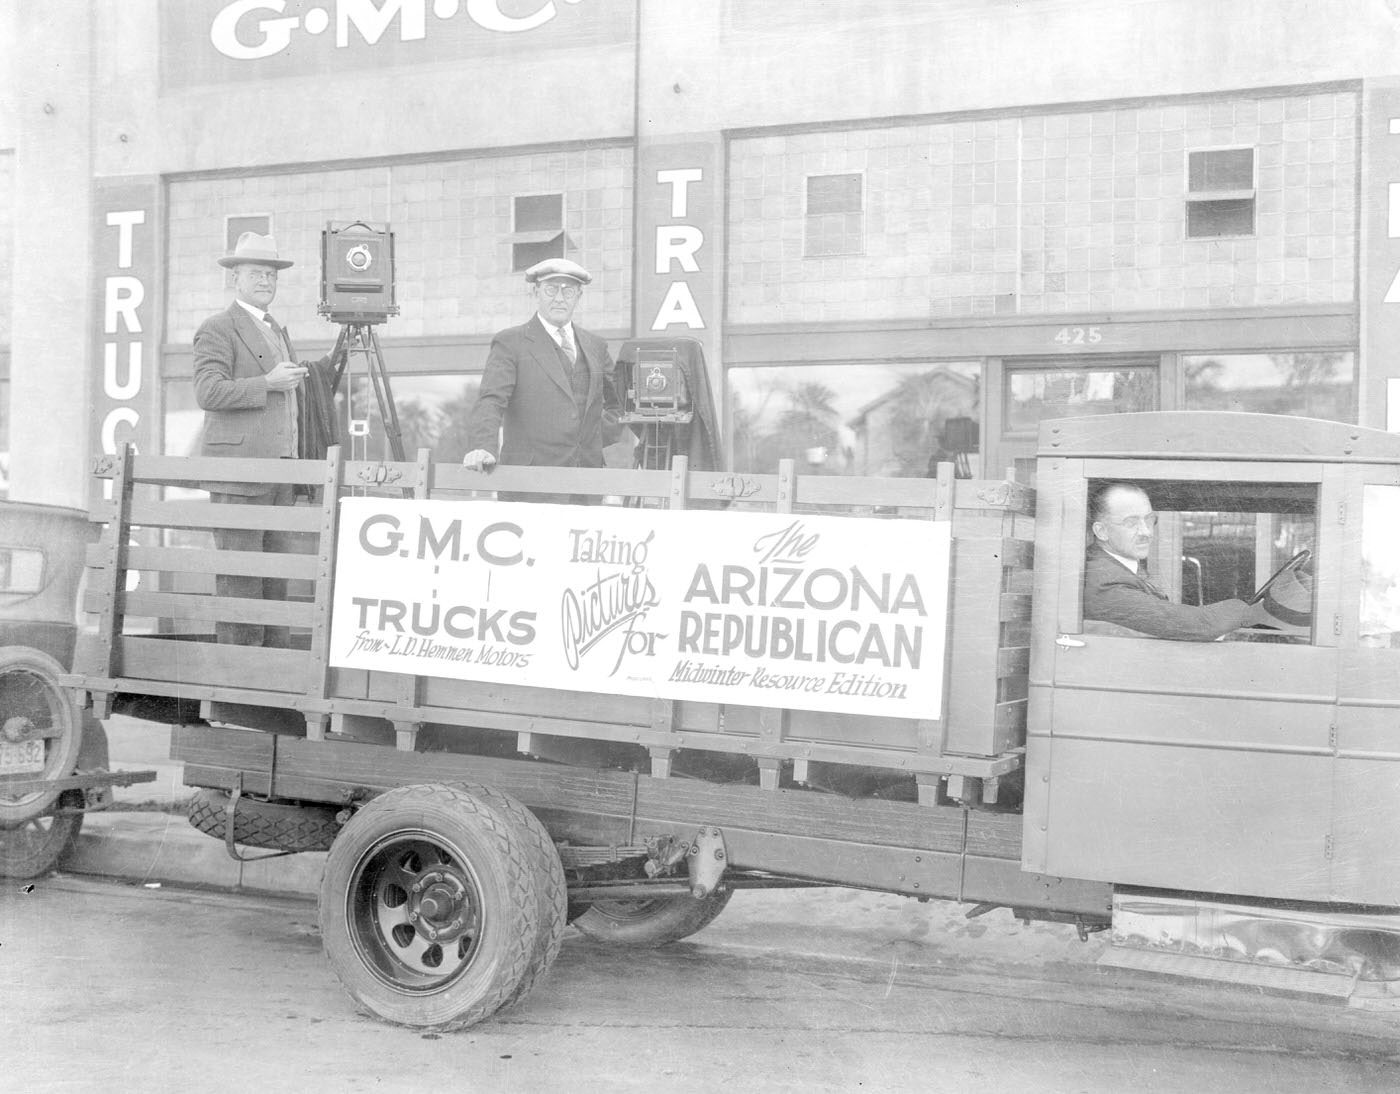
(1117, 590)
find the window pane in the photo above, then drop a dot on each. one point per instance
(237, 225)
(540, 212)
(525, 255)
(893, 420)
(1380, 567)
(1222, 169)
(833, 194)
(1207, 219)
(1034, 394)
(432, 413)
(1309, 385)
(21, 570)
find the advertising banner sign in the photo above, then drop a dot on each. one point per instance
(754, 609)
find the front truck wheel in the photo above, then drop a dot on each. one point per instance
(430, 907)
(649, 923)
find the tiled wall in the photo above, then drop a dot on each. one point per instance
(452, 249)
(1049, 214)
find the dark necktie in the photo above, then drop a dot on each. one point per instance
(276, 330)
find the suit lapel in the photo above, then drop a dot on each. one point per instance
(251, 336)
(545, 350)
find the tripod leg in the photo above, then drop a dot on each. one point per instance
(388, 413)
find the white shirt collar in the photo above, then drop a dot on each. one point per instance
(256, 312)
(1130, 563)
(556, 332)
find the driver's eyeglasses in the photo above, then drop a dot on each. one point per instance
(1148, 522)
(261, 275)
(552, 289)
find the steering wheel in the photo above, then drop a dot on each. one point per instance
(1298, 560)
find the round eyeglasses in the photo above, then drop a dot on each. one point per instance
(1148, 522)
(260, 275)
(552, 289)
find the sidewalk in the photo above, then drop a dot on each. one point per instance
(150, 842)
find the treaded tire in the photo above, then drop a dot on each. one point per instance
(431, 858)
(35, 847)
(553, 887)
(650, 923)
(30, 698)
(278, 826)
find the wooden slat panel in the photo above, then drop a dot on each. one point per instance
(1018, 552)
(1015, 608)
(1013, 661)
(195, 560)
(205, 514)
(1010, 718)
(210, 664)
(192, 470)
(550, 480)
(189, 606)
(1002, 494)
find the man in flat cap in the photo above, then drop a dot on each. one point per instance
(259, 403)
(549, 383)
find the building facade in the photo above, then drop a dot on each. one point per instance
(901, 233)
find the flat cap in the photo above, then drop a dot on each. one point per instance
(557, 267)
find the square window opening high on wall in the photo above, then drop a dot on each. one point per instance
(1220, 192)
(235, 224)
(835, 215)
(538, 222)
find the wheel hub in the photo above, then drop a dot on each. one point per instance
(437, 906)
(17, 728)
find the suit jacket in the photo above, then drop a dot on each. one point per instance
(1114, 594)
(242, 416)
(525, 389)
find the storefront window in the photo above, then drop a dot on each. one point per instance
(432, 413)
(1380, 567)
(859, 419)
(1310, 385)
(1038, 392)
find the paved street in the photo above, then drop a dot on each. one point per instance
(113, 986)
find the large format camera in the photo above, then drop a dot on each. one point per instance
(357, 273)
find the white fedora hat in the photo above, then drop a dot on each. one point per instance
(252, 247)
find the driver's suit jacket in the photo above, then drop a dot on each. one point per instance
(1114, 594)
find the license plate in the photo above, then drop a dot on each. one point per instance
(22, 758)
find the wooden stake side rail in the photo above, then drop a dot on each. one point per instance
(155, 631)
(940, 851)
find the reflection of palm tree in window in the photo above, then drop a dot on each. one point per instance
(808, 430)
(452, 426)
(418, 426)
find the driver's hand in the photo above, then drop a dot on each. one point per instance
(1292, 590)
(478, 459)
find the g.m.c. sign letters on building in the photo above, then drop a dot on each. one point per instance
(215, 41)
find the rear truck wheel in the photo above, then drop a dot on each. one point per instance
(38, 845)
(650, 923)
(40, 731)
(429, 907)
(279, 826)
(553, 892)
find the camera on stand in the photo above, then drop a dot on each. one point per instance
(357, 273)
(357, 291)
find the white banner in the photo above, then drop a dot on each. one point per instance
(842, 614)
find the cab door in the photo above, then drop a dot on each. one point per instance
(1185, 765)
(1366, 801)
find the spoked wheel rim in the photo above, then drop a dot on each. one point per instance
(35, 847)
(415, 912)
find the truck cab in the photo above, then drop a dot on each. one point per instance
(1262, 763)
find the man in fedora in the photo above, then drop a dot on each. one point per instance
(258, 403)
(549, 383)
